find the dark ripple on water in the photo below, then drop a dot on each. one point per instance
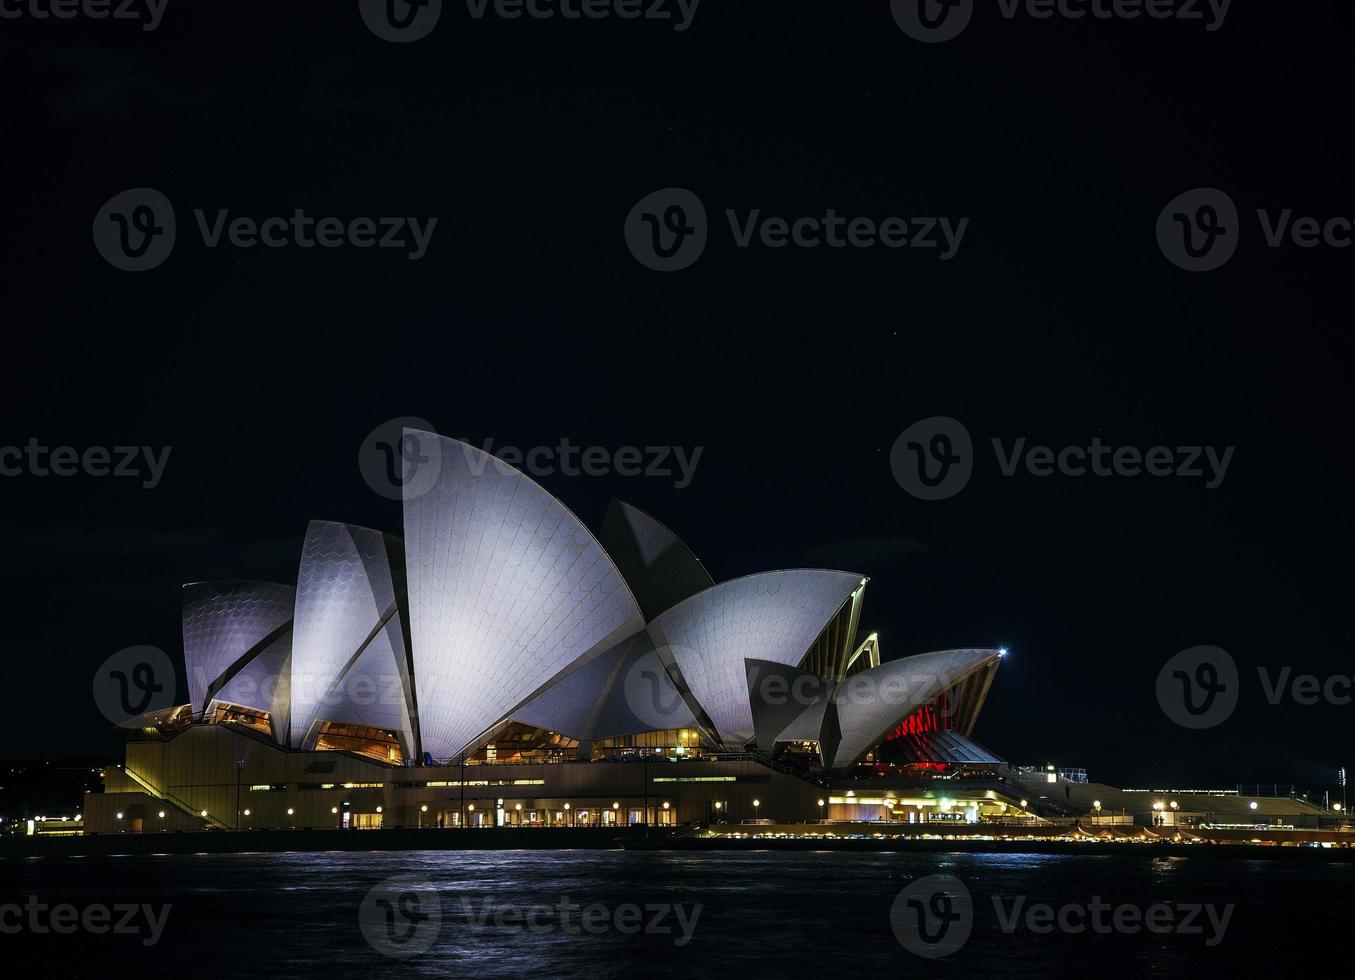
(761, 914)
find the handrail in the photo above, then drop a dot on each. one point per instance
(169, 797)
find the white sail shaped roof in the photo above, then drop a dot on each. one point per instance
(265, 684)
(772, 616)
(348, 652)
(508, 591)
(225, 626)
(871, 703)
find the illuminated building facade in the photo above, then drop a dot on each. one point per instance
(500, 664)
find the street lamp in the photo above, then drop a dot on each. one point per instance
(756, 804)
(422, 810)
(567, 816)
(239, 769)
(471, 808)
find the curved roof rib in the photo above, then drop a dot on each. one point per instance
(236, 640)
(773, 616)
(349, 661)
(869, 704)
(508, 590)
(660, 569)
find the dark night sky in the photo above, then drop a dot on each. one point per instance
(529, 321)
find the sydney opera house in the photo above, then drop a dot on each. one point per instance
(502, 665)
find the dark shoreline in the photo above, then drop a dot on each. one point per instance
(280, 841)
(1246, 852)
(408, 839)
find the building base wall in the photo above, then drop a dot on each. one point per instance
(241, 781)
